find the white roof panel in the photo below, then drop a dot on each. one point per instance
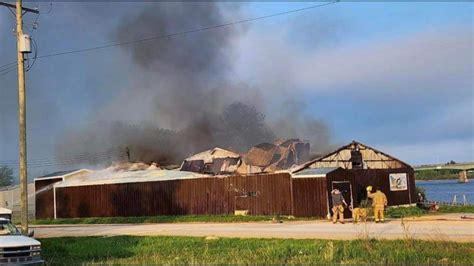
(314, 172)
(113, 177)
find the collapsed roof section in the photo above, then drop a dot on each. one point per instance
(213, 161)
(279, 155)
(264, 157)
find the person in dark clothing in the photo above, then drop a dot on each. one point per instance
(338, 204)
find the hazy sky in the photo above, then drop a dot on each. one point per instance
(396, 76)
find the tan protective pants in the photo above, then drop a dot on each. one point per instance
(378, 213)
(338, 210)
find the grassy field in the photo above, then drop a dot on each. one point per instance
(440, 174)
(167, 219)
(193, 250)
(415, 211)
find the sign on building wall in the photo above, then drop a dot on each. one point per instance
(398, 182)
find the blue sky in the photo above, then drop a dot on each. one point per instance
(396, 75)
(418, 119)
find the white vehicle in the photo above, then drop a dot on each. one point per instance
(17, 249)
(5, 213)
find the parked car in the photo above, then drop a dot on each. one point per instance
(17, 249)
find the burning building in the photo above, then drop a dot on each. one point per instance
(209, 183)
(148, 192)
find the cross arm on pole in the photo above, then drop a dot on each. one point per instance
(26, 9)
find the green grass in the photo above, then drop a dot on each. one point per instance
(390, 212)
(194, 250)
(401, 212)
(457, 209)
(415, 211)
(164, 219)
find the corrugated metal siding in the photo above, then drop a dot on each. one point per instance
(44, 200)
(310, 197)
(267, 194)
(380, 177)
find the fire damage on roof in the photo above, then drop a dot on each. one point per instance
(262, 158)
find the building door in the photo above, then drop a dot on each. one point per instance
(346, 190)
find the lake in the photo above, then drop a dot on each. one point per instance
(444, 190)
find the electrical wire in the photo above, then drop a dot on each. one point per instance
(35, 47)
(111, 45)
(72, 157)
(7, 65)
(86, 159)
(8, 70)
(49, 162)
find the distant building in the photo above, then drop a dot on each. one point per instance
(10, 199)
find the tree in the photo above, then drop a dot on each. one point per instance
(6, 176)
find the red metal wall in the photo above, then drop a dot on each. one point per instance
(267, 194)
(380, 177)
(44, 200)
(310, 197)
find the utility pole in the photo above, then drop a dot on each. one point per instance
(22, 121)
(21, 110)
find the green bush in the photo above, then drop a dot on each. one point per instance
(401, 212)
(422, 191)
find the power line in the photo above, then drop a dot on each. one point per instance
(9, 64)
(111, 45)
(83, 161)
(71, 157)
(77, 160)
(8, 70)
(78, 156)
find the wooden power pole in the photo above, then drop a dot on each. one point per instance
(21, 111)
(22, 120)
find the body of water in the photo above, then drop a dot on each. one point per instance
(444, 190)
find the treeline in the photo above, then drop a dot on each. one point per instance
(439, 174)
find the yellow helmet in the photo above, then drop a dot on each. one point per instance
(369, 188)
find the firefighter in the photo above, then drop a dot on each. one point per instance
(379, 201)
(338, 204)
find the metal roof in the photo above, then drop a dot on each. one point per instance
(113, 177)
(209, 155)
(314, 172)
(64, 174)
(58, 173)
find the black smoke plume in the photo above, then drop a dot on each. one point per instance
(193, 105)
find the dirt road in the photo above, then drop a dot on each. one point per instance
(444, 229)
